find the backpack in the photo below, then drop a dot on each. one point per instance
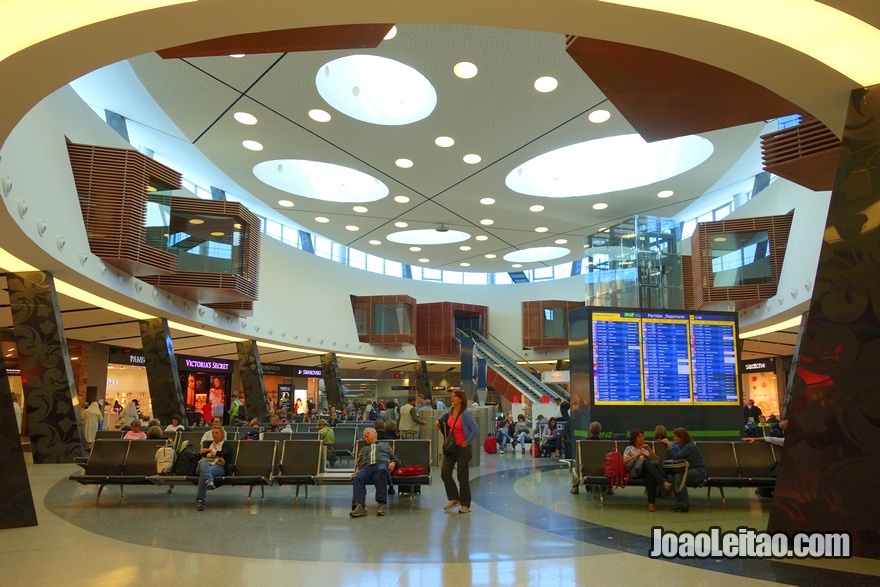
(187, 460)
(615, 470)
(164, 460)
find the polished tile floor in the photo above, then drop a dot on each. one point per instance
(525, 529)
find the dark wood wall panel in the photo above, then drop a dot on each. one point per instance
(533, 323)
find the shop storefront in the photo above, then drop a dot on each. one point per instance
(291, 388)
(760, 383)
(206, 383)
(126, 381)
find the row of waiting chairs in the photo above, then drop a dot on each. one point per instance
(729, 464)
(255, 463)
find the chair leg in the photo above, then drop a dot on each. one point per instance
(262, 491)
(723, 499)
(296, 497)
(98, 498)
(122, 491)
(250, 491)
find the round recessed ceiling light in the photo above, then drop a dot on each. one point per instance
(391, 34)
(599, 116)
(218, 233)
(423, 260)
(252, 145)
(600, 206)
(472, 158)
(352, 228)
(487, 221)
(464, 264)
(490, 256)
(444, 141)
(560, 241)
(536, 208)
(375, 242)
(319, 115)
(401, 224)
(605, 165)
(482, 237)
(546, 84)
(360, 209)
(542, 229)
(536, 254)
(428, 236)
(322, 219)
(401, 199)
(320, 181)
(196, 221)
(415, 249)
(237, 55)
(665, 194)
(285, 203)
(237, 225)
(404, 163)
(376, 89)
(516, 265)
(245, 118)
(464, 248)
(465, 70)
(487, 201)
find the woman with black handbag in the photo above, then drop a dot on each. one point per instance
(643, 463)
(461, 431)
(687, 466)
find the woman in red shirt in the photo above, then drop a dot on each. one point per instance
(460, 423)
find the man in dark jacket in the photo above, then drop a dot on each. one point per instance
(375, 463)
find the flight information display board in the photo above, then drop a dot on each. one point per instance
(663, 357)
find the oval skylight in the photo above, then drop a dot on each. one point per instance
(428, 236)
(320, 181)
(607, 165)
(536, 254)
(376, 90)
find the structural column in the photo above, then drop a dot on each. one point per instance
(332, 381)
(467, 369)
(250, 370)
(51, 403)
(163, 378)
(17, 510)
(829, 475)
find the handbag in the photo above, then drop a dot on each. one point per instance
(676, 466)
(449, 445)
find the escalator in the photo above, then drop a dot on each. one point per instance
(503, 361)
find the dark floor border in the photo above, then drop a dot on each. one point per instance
(530, 514)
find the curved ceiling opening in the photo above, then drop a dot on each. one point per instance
(320, 181)
(376, 89)
(609, 164)
(536, 254)
(428, 236)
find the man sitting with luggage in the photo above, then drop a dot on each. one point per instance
(375, 463)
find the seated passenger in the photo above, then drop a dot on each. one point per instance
(215, 423)
(660, 432)
(275, 425)
(595, 431)
(375, 463)
(683, 448)
(381, 431)
(521, 433)
(216, 454)
(504, 433)
(175, 425)
(155, 433)
(135, 433)
(328, 437)
(553, 441)
(643, 463)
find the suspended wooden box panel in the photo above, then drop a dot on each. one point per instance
(806, 154)
(385, 320)
(545, 323)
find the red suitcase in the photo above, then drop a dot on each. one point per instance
(490, 445)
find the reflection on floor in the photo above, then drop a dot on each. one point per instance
(525, 528)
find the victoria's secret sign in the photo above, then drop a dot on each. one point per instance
(203, 364)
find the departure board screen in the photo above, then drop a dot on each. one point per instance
(663, 357)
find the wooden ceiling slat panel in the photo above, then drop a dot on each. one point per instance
(665, 96)
(323, 38)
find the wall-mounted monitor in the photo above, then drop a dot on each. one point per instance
(663, 357)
